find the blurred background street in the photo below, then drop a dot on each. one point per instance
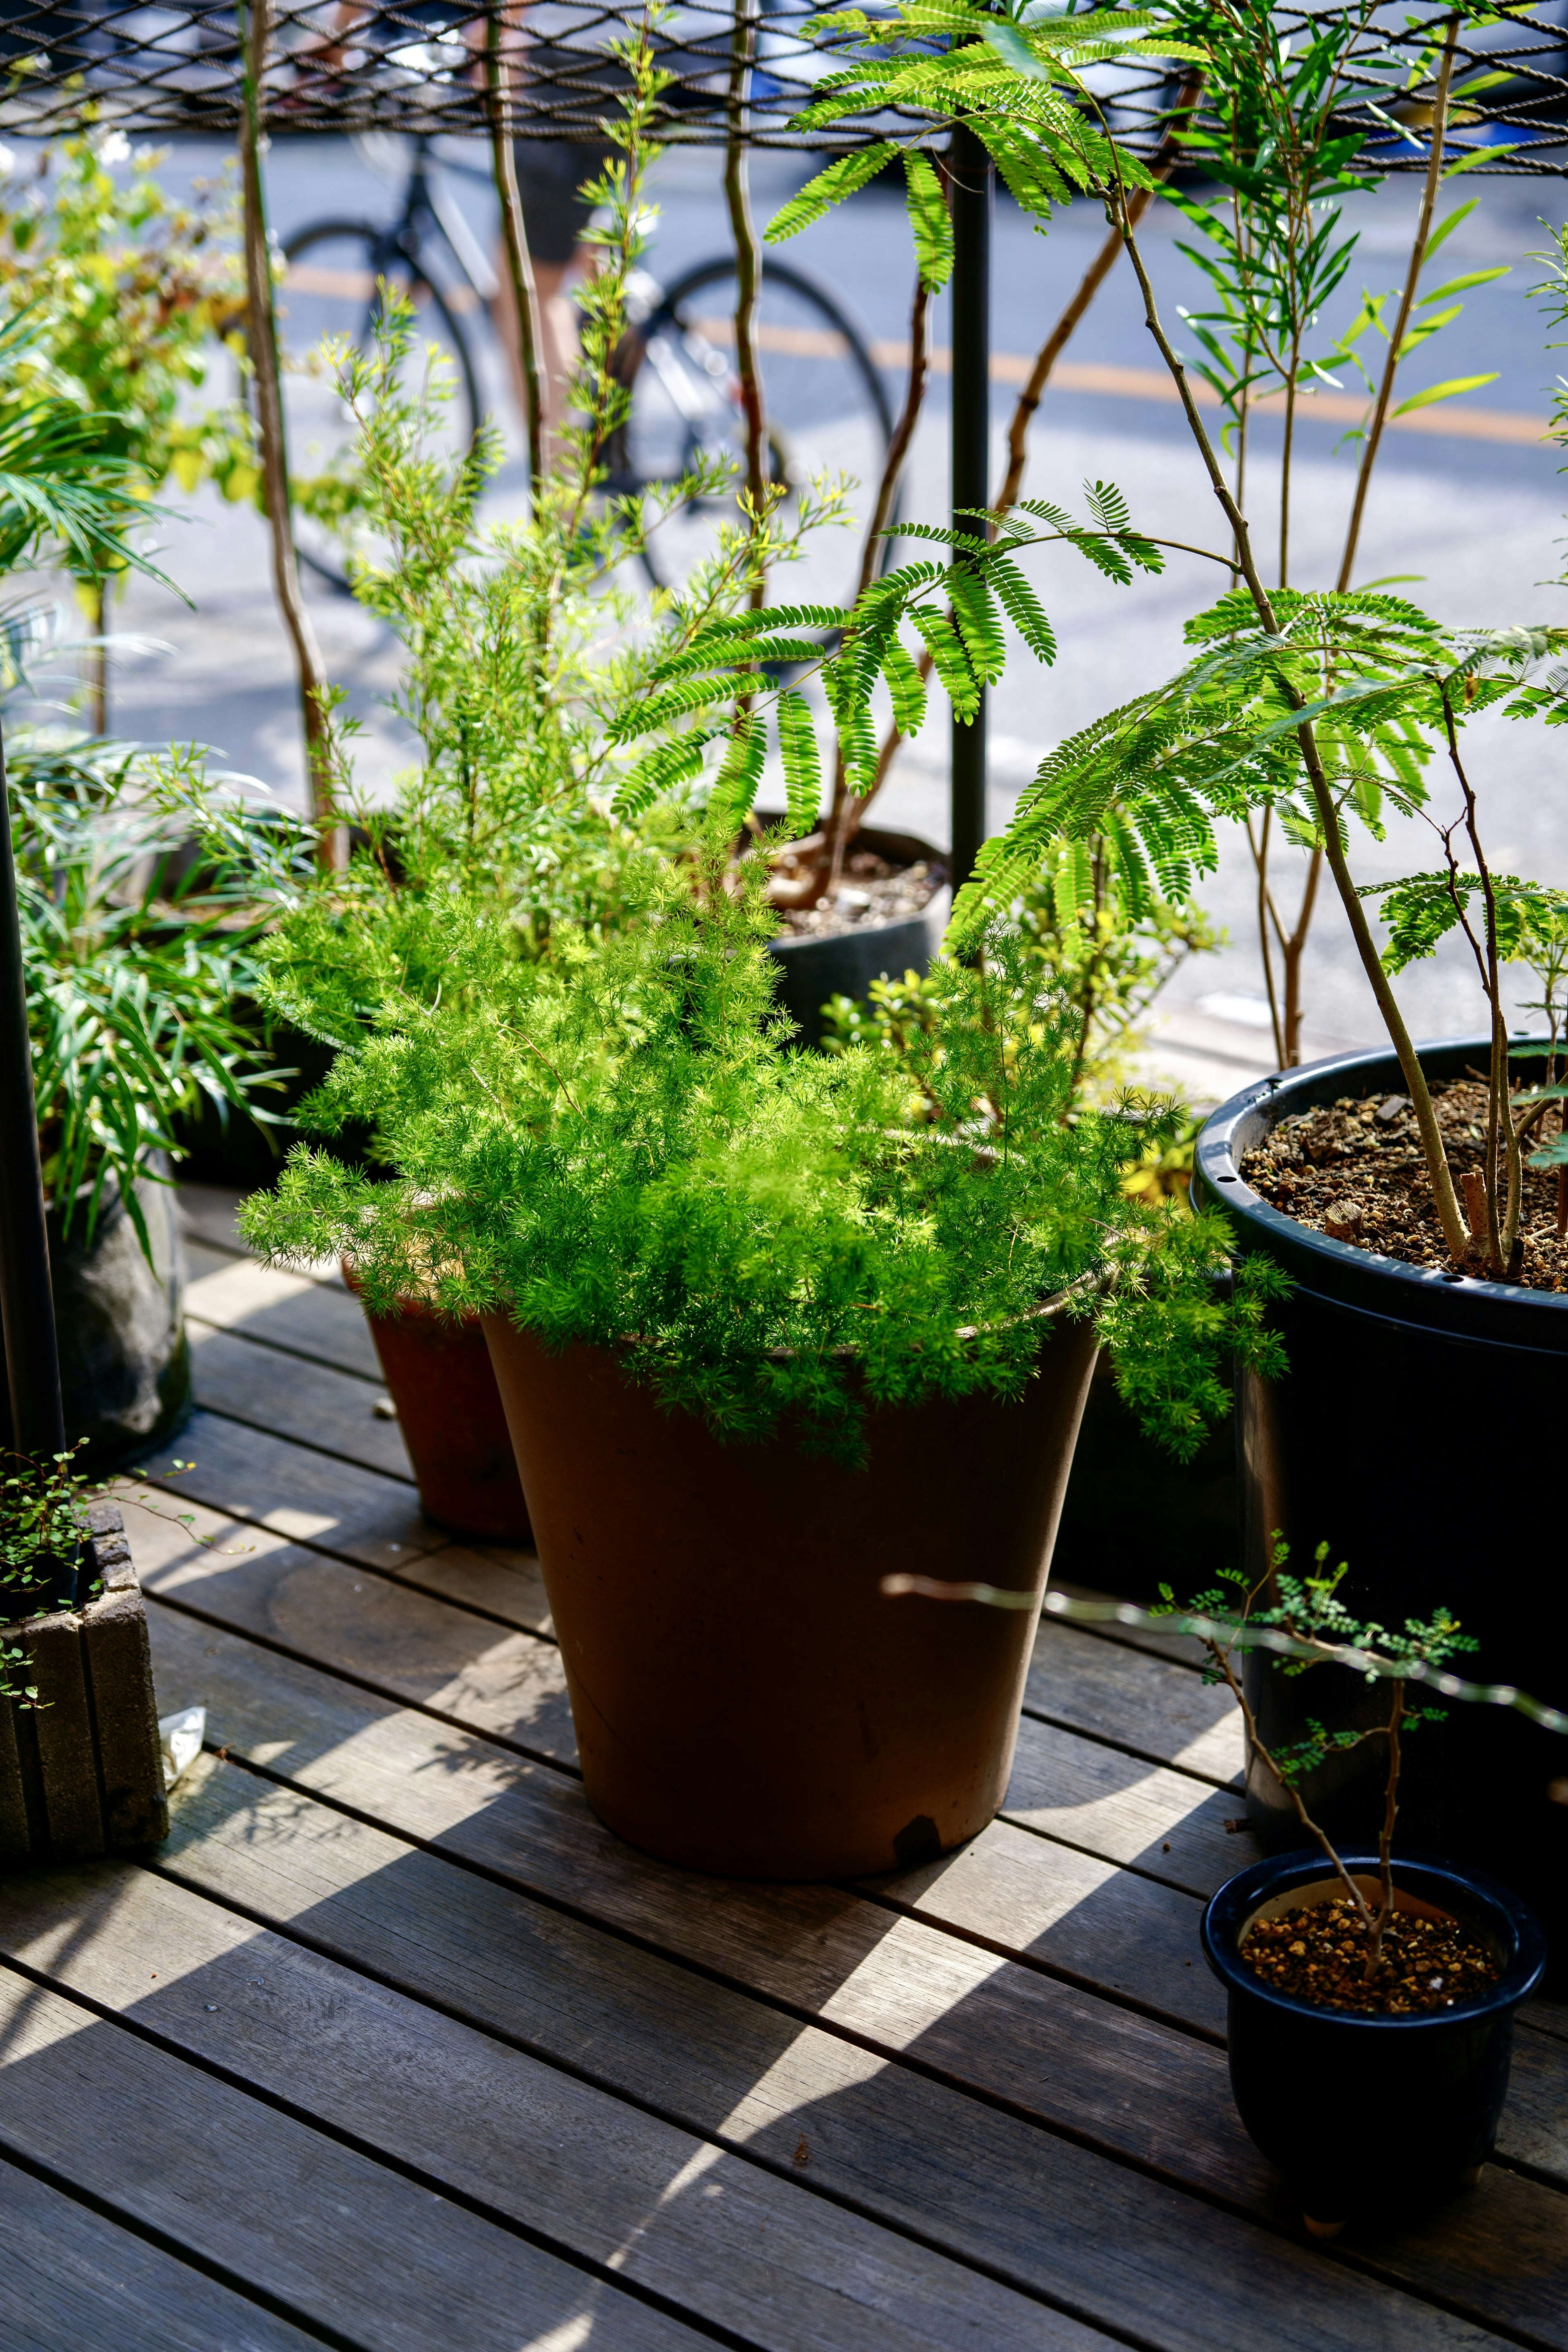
(1473, 510)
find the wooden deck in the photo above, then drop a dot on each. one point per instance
(394, 2046)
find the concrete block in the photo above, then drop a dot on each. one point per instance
(125, 1718)
(81, 1773)
(62, 1722)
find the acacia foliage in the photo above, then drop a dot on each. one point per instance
(616, 1144)
(1371, 674)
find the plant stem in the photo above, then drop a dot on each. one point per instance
(1221, 1657)
(848, 811)
(514, 235)
(1165, 159)
(1328, 815)
(97, 676)
(1407, 302)
(1499, 1113)
(748, 267)
(1259, 845)
(1386, 1835)
(255, 32)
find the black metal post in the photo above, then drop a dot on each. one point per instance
(27, 1301)
(972, 206)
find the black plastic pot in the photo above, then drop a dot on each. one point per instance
(1371, 2117)
(845, 963)
(1134, 1517)
(238, 1151)
(125, 1365)
(1418, 1431)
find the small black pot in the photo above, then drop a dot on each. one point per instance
(846, 962)
(1371, 2117)
(1420, 1422)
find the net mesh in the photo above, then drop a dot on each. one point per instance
(337, 66)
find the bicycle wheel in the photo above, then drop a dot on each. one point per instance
(335, 268)
(827, 405)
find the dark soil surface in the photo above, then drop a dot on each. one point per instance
(1319, 1954)
(871, 891)
(1355, 1170)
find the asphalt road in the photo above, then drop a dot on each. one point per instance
(1476, 519)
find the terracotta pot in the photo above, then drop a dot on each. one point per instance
(746, 1701)
(438, 1374)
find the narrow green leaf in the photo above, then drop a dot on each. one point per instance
(976, 613)
(735, 785)
(1448, 391)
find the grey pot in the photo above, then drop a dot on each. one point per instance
(125, 1365)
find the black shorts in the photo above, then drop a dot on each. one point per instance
(550, 177)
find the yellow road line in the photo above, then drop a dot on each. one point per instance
(1462, 423)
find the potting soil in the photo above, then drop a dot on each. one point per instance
(1319, 1954)
(1355, 1170)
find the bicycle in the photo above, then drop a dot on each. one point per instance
(827, 406)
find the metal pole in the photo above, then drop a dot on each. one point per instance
(27, 1301)
(972, 180)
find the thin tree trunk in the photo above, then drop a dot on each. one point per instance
(848, 812)
(1407, 303)
(98, 671)
(514, 235)
(1443, 1197)
(255, 27)
(1165, 159)
(748, 263)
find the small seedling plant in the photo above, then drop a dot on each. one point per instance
(41, 1522)
(1307, 1612)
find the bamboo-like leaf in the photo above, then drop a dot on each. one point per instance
(1448, 391)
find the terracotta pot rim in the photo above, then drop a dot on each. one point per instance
(1057, 1304)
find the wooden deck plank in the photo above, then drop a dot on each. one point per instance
(491, 1579)
(730, 2241)
(512, 1688)
(209, 1216)
(78, 2283)
(1162, 1710)
(407, 1643)
(1017, 2039)
(300, 1314)
(359, 1513)
(286, 1396)
(1076, 1912)
(339, 2240)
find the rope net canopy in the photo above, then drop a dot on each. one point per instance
(411, 66)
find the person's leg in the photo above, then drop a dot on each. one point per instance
(558, 329)
(550, 177)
